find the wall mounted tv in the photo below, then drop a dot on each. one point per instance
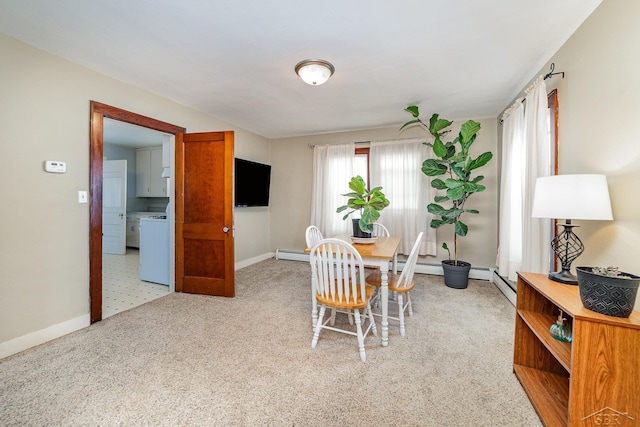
(252, 182)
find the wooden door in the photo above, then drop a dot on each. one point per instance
(204, 214)
(114, 206)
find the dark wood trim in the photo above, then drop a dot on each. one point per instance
(98, 111)
(179, 184)
(366, 151)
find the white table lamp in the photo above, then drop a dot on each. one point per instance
(570, 197)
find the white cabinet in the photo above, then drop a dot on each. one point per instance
(149, 180)
(166, 153)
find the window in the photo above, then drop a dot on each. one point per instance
(393, 165)
(361, 164)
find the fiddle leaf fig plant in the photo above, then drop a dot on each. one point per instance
(368, 202)
(453, 166)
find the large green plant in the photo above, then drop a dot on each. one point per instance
(368, 202)
(452, 160)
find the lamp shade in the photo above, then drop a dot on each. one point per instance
(584, 196)
(314, 71)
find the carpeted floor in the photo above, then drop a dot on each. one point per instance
(190, 360)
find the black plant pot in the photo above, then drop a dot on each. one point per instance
(456, 276)
(613, 296)
(357, 232)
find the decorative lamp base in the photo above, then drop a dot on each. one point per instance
(564, 276)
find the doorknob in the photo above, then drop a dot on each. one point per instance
(121, 215)
(225, 229)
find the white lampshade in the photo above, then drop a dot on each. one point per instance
(314, 71)
(572, 197)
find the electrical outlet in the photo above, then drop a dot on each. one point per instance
(82, 197)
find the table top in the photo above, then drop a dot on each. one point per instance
(384, 247)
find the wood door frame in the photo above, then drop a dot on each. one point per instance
(98, 111)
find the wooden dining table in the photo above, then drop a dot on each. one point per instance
(380, 253)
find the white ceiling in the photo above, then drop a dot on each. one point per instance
(235, 59)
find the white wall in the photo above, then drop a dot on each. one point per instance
(598, 111)
(292, 178)
(44, 232)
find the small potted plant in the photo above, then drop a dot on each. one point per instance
(368, 203)
(608, 290)
(452, 160)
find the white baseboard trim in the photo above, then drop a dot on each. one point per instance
(33, 339)
(250, 261)
(435, 269)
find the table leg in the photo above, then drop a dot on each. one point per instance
(394, 266)
(384, 297)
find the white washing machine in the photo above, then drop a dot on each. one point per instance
(154, 249)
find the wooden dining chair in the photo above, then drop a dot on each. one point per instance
(338, 274)
(312, 235)
(379, 230)
(401, 284)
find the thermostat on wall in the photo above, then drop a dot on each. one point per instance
(55, 166)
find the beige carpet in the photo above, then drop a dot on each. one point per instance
(188, 360)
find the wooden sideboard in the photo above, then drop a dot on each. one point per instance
(592, 381)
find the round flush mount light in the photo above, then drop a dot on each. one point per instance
(314, 71)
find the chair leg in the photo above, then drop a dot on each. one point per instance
(409, 304)
(401, 313)
(333, 317)
(372, 321)
(375, 299)
(363, 355)
(316, 333)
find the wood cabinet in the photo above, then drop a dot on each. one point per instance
(149, 180)
(592, 381)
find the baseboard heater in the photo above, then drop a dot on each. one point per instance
(506, 287)
(435, 269)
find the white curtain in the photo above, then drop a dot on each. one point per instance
(524, 241)
(396, 167)
(510, 233)
(536, 231)
(332, 171)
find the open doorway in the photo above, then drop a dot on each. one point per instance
(100, 112)
(136, 190)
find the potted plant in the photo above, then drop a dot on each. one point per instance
(452, 160)
(607, 290)
(368, 203)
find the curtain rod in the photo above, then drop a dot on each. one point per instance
(546, 76)
(417, 139)
(551, 73)
(357, 142)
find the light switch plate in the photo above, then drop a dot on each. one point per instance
(82, 197)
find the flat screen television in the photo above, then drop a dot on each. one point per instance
(252, 182)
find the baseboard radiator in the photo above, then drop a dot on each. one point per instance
(508, 289)
(435, 269)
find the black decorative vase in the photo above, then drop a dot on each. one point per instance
(357, 232)
(613, 296)
(456, 276)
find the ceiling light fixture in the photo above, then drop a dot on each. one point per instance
(314, 71)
